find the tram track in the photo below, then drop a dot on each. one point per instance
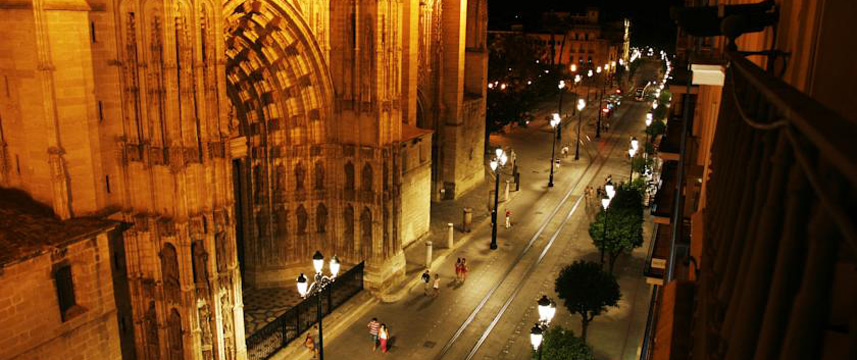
(591, 170)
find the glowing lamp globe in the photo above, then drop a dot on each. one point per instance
(302, 285)
(536, 337)
(334, 266)
(318, 261)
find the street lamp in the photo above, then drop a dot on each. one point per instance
(631, 152)
(577, 79)
(547, 309)
(580, 105)
(555, 122)
(600, 99)
(648, 124)
(496, 164)
(320, 282)
(588, 84)
(536, 339)
(559, 110)
(573, 68)
(605, 203)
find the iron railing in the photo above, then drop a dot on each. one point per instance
(274, 336)
(777, 229)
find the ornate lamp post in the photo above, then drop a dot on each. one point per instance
(496, 164)
(559, 110)
(649, 118)
(536, 339)
(600, 99)
(631, 152)
(610, 192)
(547, 309)
(320, 282)
(580, 105)
(555, 123)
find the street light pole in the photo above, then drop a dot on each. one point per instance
(609, 192)
(559, 110)
(496, 164)
(580, 105)
(320, 282)
(555, 122)
(600, 98)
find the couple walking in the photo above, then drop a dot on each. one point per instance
(380, 334)
(431, 288)
(461, 270)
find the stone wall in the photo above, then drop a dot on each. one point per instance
(31, 326)
(416, 189)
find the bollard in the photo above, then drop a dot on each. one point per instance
(517, 181)
(468, 218)
(428, 254)
(449, 237)
(506, 196)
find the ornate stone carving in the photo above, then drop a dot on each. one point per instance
(200, 266)
(170, 274)
(366, 233)
(205, 329)
(228, 325)
(302, 220)
(300, 173)
(174, 335)
(282, 223)
(60, 182)
(222, 250)
(150, 327)
(321, 219)
(319, 175)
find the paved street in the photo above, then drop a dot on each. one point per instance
(489, 316)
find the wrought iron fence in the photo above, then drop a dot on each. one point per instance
(274, 336)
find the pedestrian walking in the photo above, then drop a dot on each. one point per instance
(464, 269)
(373, 326)
(436, 285)
(426, 279)
(309, 342)
(564, 151)
(383, 336)
(587, 194)
(508, 218)
(458, 270)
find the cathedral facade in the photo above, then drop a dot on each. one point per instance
(237, 137)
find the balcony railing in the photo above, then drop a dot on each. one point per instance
(265, 342)
(780, 240)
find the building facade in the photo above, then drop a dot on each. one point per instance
(238, 137)
(764, 253)
(59, 287)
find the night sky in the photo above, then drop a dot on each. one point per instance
(650, 20)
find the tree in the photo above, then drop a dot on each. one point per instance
(561, 344)
(587, 291)
(624, 224)
(513, 75)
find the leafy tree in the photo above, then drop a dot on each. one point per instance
(561, 344)
(640, 163)
(514, 77)
(587, 291)
(624, 225)
(658, 127)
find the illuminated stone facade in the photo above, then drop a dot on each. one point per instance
(237, 137)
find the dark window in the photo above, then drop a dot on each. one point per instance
(100, 111)
(92, 30)
(107, 182)
(65, 290)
